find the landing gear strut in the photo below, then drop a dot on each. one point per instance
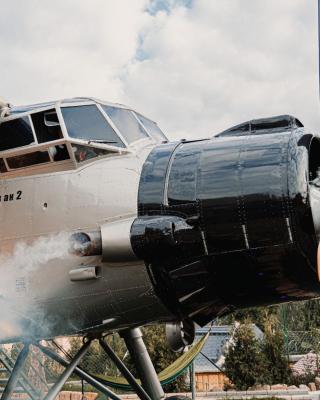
(124, 370)
(54, 391)
(15, 373)
(80, 372)
(142, 360)
(149, 390)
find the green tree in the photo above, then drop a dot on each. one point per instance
(245, 363)
(277, 364)
(257, 315)
(161, 355)
(96, 361)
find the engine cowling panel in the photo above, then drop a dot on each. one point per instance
(226, 223)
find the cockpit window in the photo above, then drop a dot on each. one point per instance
(87, 122)
(84, 153)
(59, 153)
(15, 133)
(3, 167)
(46, 126)
(126, 122)
(152, 128)
(26, 160)
(51, 119)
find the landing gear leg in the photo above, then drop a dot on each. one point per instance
(124, 370)
(14, 377)
(54, 391)
(143, 363)
(80, 372)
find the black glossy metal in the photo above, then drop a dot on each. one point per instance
(227, 222)
(152, 180)
(263, 125)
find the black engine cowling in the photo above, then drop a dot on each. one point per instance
(229, 222)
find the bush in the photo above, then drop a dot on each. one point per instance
(251, 361)
(277, 364)
(245, 363)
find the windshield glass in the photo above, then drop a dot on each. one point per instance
(126, 122)
(87, 122)
(152, 128)
(15, 133)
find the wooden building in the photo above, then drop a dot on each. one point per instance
(209, 365)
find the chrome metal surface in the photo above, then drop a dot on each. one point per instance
(180, 334)
(116, 241)
(84, 273)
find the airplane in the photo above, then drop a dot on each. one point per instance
(108, 226)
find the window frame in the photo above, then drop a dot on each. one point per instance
(86, 141)
(135, 142)
(67, 140)
(35, 140)
(31, 149)
(136, 114)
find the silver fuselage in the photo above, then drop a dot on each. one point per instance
(40, 208)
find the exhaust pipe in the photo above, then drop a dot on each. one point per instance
(112, 242)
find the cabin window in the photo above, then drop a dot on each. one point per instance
(88, 123)
(46, 125)
(152, 129)
(84, 153)
(3, 167)
(26, 160)
(270, 123)
(238, 130)
(126, 122)
(59, 153)
(15, 133)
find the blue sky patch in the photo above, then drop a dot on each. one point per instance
(166, 5)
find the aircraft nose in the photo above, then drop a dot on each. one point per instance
(226, 222)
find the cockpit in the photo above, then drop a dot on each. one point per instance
(67, 133)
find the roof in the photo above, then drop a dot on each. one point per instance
(213, 348)
(14, 110)
(216, 346)
(307, 364)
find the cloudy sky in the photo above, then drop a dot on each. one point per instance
(194, 66)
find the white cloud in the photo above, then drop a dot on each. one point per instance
(222, 62)
(66, 48)
(196, 70)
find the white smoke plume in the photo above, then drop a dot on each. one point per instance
(19, 269)
(29, 257)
